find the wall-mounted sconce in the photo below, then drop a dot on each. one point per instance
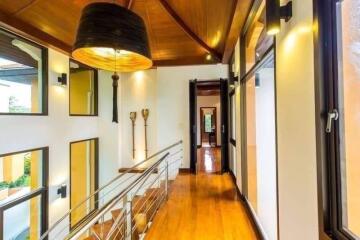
(62, 191)
(274, 13)
(62, 79)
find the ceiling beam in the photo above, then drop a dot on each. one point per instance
(28, 31)
(187, 29)
(189, 60)
(130, 4)
(24, 7)
(240, 11)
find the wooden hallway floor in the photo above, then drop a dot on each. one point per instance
(202, 207)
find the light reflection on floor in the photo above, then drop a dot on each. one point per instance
(209, 160)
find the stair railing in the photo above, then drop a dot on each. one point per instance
(121, 192)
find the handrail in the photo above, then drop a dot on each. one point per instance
(79, 230)
(46, 233)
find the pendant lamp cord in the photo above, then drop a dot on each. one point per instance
(115, 78)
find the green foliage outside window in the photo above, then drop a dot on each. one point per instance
(22, 181)
(208, 123)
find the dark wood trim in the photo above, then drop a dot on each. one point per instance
(199, 146)
(193, 124)
(202, 125)
(184, 170)
(44, 75)
(260, 235)
(96, 90)
(224, 128)
(188, 30)
(96, 165)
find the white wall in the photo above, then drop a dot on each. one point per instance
(296, 126)
(209, 101)
(173, 101)
(58, 129)
(138, 91)
(165, 91)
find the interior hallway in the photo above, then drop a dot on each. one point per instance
(203, 207)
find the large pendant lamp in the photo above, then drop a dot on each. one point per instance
(112, 38)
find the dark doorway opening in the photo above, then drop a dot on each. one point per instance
(208, 126)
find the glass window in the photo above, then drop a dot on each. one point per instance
(349, 110)
(83, 90)
(23, 220)
(208, 122)
(22, 76)
(83, 177)
(23, 192)
(261, 166)
(257, 41)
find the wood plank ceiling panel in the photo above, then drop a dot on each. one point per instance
(209, 19)
(168, 40)
(12, 6)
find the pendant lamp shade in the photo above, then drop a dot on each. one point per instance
(113, 38)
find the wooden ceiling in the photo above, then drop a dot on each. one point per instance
(180, 31)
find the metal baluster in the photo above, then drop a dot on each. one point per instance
(128, 218)
(167, 179)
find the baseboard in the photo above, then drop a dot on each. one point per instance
(249, 213)
(184, 170)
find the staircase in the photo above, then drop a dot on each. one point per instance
(143, 211)
(126, 206)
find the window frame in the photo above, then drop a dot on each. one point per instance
(96, 90)
(96, 139)
(43, 192)
(328, 144)
(44, 76)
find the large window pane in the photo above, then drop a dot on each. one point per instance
(83, 173)
(349, 108)
(20, 174)
(23, 221)
(22, 83)
(261, 146)
(83, 90)
(256, 40)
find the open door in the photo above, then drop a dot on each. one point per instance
(193, 127)
(224, 125)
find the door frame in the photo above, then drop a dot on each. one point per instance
(202, 120)
(224, 98)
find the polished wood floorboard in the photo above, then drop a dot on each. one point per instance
(209, 160)
(202, 207)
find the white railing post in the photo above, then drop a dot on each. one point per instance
(167, 179)
(128, 218)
